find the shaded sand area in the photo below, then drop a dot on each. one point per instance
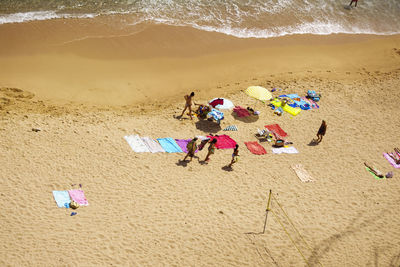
(150, 209)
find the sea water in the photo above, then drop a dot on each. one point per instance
(240, 18)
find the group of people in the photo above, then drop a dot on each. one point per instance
(192, 147)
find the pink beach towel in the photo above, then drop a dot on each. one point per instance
(241, 112)
(78, 196)
(255, 148)
(182, 143)
(223, 141)
(391, 161)
(276, 129)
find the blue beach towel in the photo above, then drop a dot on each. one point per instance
(62, 198)
(216, 114)
(297, 101)
(169, 145)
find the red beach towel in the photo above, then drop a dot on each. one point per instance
(217, 102)
(241, 112)
(276, 129)
(255, 148)
(223, 141)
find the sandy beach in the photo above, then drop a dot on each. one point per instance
(86, 87)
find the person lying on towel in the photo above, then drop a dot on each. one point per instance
(253, 112)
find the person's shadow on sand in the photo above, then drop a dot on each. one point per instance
(227, 168)
(182, 163)
(313, 143)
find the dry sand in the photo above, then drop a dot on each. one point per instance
(150, 209)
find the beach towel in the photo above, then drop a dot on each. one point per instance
(152, 145)
(241, 112)
(303, 175)
(182, 143)
(62, 198)
(78, 196)
(276, 129)
(136, 143)
(391, 161)
(255, 148)
(312, 103)
(223, 141)
(231, 128)
(169, 145)
(287, 150)
(216, 114)
(373, 174)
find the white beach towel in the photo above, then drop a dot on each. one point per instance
(288, 150)
(303, 175)
(136, 143)
(152, 145)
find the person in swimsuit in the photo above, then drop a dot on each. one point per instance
(353, 1)
(191, 147)
(321, 132)
(235, 156)
(188, 104)
(211, 149)
(374, 170)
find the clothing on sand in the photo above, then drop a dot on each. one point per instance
(255, 148)
(136, 143)
(223, 141)
(169, 145)
(78, 196)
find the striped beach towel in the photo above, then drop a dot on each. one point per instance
(231, 128)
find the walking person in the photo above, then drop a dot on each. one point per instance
(211, 149)
(235, 156)
(353, 1)
(188, 104)
(321, 132)
(191, 147)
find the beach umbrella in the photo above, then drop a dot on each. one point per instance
(259, 93)
(221, 103)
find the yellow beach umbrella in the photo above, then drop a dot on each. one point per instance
(259, 93)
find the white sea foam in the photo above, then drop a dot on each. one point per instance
(38, 15)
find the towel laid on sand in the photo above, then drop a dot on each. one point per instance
(62, 198)
(223, 141)
(169, 145)
(276, 129)
(231, 128)
(391, 161)
(255, 148)
(303, 175)
(182, 143)
(287, 150)
(78, 196)
(136, 143)
(241, 112)
(152, 145)
(312, 103)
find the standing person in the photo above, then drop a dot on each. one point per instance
(191, 147)
(211, 149)
(321, 131)
(235, 156)
(188, 104)
(353, 1)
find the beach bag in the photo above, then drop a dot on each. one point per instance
(73, 205)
